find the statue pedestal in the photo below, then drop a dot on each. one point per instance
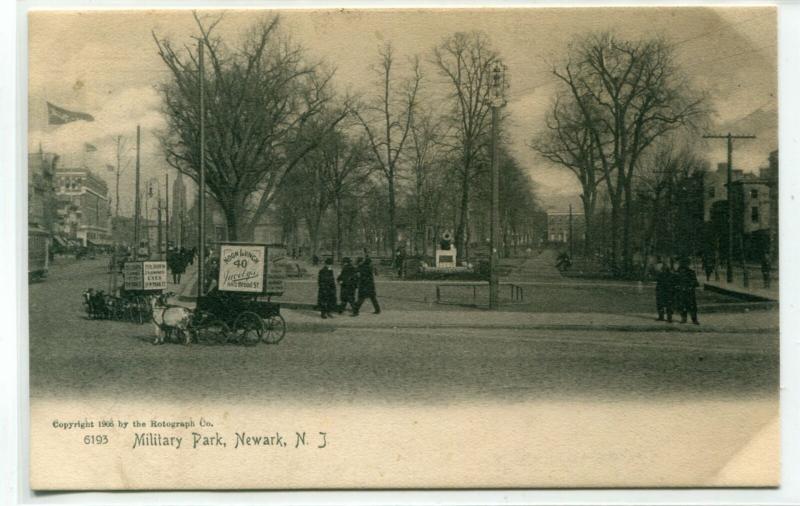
(446, 257)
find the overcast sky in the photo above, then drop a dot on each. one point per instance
(105, 63)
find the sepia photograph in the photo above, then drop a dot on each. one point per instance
(403, 248)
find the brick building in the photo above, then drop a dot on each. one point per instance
(83, 206)
(558, 227)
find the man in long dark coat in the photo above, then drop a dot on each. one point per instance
(685, 283)
(665, 291)
(326, 294)
(366, 287)
(348, 279)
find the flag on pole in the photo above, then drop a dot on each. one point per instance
(59, 116)
(89, 147)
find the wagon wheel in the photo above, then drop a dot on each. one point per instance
(212, 330)
(248, 328)
(275, 329)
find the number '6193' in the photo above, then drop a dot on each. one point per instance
(95, 439)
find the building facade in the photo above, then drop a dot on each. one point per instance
(41, 191)
(559, 228)
(754, 199)
(715, 186)
(83, 206)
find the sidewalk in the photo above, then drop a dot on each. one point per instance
(750, 322)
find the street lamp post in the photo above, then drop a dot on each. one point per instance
(498, 101)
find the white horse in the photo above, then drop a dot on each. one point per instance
(170, 320)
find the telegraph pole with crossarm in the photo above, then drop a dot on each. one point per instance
(729, 137)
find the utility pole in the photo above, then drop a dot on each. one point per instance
(166, 210)
(729, 186)
(159, 229)
(201, 253)
(498, 101)
(137, 204)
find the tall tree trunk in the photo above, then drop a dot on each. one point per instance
(627, 257)
(615, 234)
(232, 222)
(313, 232)
(392, 218)
(461, 232)
(589, 202)
(423, 225)
(338, 204)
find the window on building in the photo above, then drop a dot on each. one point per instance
(754, 217)
(753, 194)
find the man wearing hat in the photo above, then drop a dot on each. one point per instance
(326, 294)
(366, 287)
(348, 279)
(685, 283)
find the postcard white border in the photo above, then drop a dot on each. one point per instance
(13, 297)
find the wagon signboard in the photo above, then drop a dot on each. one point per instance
(145, 275)
(241, 268)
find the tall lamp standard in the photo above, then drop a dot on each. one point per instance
(498, 100)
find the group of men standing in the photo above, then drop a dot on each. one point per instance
(675, 290)
(357, 283)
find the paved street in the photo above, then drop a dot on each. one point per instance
(380, 359)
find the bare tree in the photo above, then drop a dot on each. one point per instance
(629, 93)
(664, 180)
(260, 97)
(306, 191)
(346, 167)
(465, 60)
(568, 141)
(429, 170)
(387, 122)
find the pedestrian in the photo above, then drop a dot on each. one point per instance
(685, 283)
(708, 265)
(177, 265)
(211, 273)
(348, 279)
(766, 270)
(366, 287)
(563, 262)
(326, 290)
(665, 291)
(400, 258)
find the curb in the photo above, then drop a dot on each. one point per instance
(749, 297)
(567, 327)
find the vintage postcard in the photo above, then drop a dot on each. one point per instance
(368, 249)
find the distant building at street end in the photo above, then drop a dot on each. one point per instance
(84, 210)
(558, 226)
(41, 191)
